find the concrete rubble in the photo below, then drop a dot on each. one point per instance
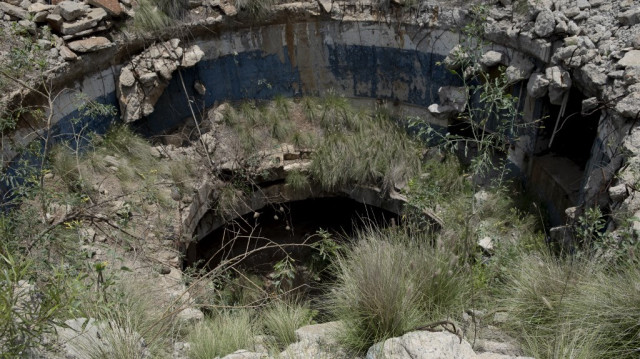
(143, 80)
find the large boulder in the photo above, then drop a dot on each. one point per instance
(629, 106)
(492, 58)
(545, 23)
(630, 17)
(537, 85)
(559, 83)
(430, 345)
(520, 68)
(423, 345)
(110, 6)
(70, 10)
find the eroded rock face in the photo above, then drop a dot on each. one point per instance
(143, 80)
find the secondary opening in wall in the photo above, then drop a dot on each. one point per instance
(575, 131)
(559, 165)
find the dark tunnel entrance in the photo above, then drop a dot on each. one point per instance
(287, 223)
(562, 152)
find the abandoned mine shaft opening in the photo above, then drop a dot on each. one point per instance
(284, 227)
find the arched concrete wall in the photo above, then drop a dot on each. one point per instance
(356, 59)
(359, 59)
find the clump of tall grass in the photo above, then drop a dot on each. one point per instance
(298, 180)
(389, 283)
(281, 319)
(154, 15)
(375, 151)
(64, 164)
(607, 304)
(562, 307)
(227, 332)
(133, 323)
(255, 8)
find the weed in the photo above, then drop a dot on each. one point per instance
(255, 8)
(29, 312)
(376, 153)
(64, 165)
(281, 319)
(227, 332)
(298, 180)
(389, 284)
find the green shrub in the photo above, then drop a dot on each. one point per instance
(281, 319)
(227, 332)
(30, 311)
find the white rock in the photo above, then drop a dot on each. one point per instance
(455, 97)
(486, 243)
(545, 23)
(192, 56)
(630, 17)
(70, 10)
(491, 58)
(423, 345)
(537, 85)
(326, 5)
(126, 77)
(629, 106)
(190, 316)
(13, 10)
(631, 58)
(618, 193)
(90, 45)
(520, 68)
(199, 87)
(559, 83)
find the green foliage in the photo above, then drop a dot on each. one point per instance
(25, 57)
(284, 272)
(326, 250)
(388, 284)
(607, 306)
(227, 332)
(612, 248)
(493, 122)
(64, 165)
(30, 311)
(281, 319)
(135, 323)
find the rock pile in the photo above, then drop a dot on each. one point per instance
(144, 78)
(64, 28)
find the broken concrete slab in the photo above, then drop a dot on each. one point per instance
(112, 7)
(90, 45)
